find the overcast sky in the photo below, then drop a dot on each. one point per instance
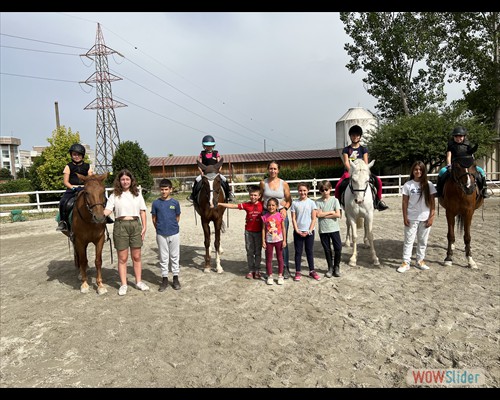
(254, 80)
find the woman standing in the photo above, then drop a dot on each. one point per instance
(129, 207)
(274, 186)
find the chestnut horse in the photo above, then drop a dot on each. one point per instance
(461, 198)
(206, 205)
(88, 225)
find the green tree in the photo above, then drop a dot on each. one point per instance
(55, 157)
(424, 137)
(130, 155)
(5, 174)
(398, 52)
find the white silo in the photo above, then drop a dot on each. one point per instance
(355, 116)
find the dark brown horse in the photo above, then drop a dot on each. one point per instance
(461, 198)
(206, 201)
(88, 225)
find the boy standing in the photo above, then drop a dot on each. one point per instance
(166, 214)
(253, 230)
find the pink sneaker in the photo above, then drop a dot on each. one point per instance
(297, 276)
(314, 274)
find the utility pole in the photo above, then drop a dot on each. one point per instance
(57, 115)
(107, 137)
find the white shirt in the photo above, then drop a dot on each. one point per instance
(126, 205)
(417, 209)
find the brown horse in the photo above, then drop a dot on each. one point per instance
(206, 205)
(461, 198)
(88, 226)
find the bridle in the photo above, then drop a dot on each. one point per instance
(90, 206)
(469, 186)
(213, 194)
(353, 191)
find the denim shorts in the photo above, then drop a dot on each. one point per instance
(127, 233)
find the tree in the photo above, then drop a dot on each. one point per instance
(129, 155)
(55, 158)
(5, 174)
(424, 137)
(398, 52)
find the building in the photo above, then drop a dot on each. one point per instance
(9, 155)
(355, 116)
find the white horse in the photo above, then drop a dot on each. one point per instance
(358, 199)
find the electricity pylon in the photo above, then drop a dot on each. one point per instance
(107, 137)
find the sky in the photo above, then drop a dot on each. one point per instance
(256, 81)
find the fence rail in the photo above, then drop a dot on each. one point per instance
(393, 186)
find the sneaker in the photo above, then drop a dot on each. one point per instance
(281, 280)
(269, 280)
(142, 286)
(250, 275)
(421, 265)
(176, 284)
(286, 272)
(257, 275)
(297, 276)
(314, 275)
(404, 267)
(123, 290)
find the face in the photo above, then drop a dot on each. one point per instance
(459, 138)
(303, 191)
(125, 182)
(272, 206)
(165, 191)
(417, 173)
(325, 191)
(208, 148)
(355, 137)
(76, 157)
(254, 197)
(273, 170)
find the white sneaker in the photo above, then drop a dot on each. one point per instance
(269, 280)
(404, 267)
(421, 265)
(281, 280)
(123, 290)
(142, 286)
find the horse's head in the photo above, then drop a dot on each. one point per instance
(463, 172)
(359, 178)
(94, 196)
(210, 170)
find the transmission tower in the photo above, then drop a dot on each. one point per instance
(107, 138)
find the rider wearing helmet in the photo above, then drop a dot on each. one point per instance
(209, 156)
(459, 146)
(71, 181)
(351, 152)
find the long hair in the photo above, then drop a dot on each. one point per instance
(117, 187)
(424, 182)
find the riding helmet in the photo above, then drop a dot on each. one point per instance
(208, 140)
(78, 148)
(459, 131)
(355, 130)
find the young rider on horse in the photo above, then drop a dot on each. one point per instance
(351, 152)
(459, 147)
(209, 156)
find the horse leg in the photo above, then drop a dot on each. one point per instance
(217, 247)
(98, 265)
(369, 233)
(354, 236)
(81, 256)
(347, 242)
(448, 261)
(206, 232)
(467, 239)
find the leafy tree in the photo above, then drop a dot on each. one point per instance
(55, 157)
(5, 174)
(398, 52)
(424, 137)
(130, 155)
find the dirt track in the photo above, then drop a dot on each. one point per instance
(365, 329)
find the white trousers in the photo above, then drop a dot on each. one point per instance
(169, 251)
(417, 229)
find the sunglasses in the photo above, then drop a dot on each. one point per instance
(323, 190)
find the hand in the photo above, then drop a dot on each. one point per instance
(448, 167)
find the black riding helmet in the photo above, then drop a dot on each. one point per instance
(78, 148)
(208, 140)
(459, 131)
(355, 130)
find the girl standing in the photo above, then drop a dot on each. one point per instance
(273, 237)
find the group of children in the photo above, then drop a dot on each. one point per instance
(266, 224)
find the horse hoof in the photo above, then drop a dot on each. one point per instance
(101, 290)
(206, 270)
(448, 263)
(376, 262)
(220, 270)
(84, 289)
(352, 263)
(472, 264)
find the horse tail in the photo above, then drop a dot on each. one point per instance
(359, 223)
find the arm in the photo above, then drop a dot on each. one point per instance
(154, 218)
(345, 160)
(263, 234)
(313, 220)
(405, 210)
(228, 205)
(287, 201)
(91, 170)
(432, 212)
(448, 158)
(365, 158)
(144, 221)
(66, 173)
(283, 229)
(199, 169)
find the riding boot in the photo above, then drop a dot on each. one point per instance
(62, 226)
(109, 220)
(336, 264)
(381, 206)
(329, 273)
(439, 187)
(164, 284)
(484, 188)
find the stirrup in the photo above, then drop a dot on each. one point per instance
(62, 227)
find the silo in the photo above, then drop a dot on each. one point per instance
(355, 116)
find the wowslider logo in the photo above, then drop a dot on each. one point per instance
(445, 377)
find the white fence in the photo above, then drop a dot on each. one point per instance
(393, 186)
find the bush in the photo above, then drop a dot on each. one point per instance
(17, 185)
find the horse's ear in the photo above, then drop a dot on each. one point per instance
(473, 150)
(81, 177)
(219, 164)
(370, 164)
(202, 166)
(103, 176)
